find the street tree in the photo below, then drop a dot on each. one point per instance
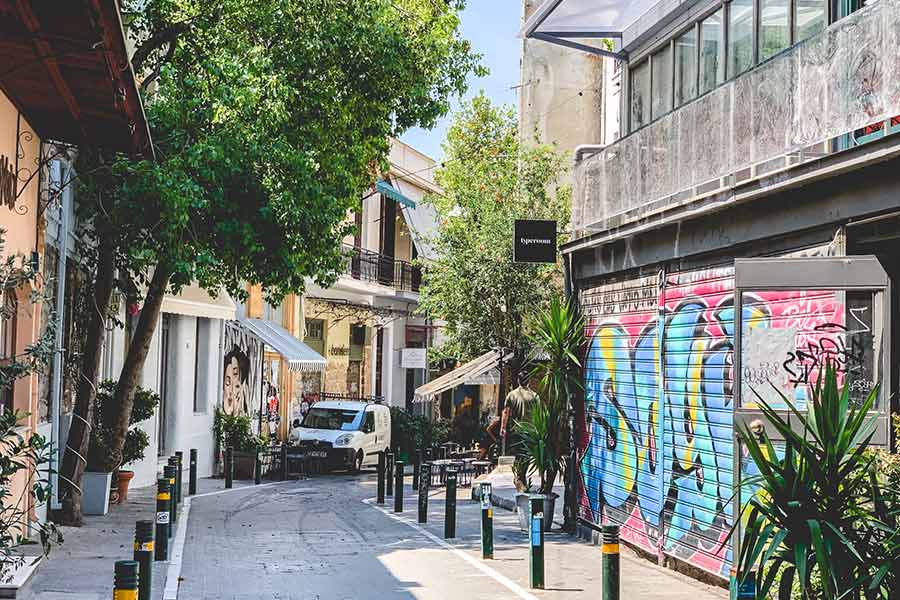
(489, 179)
(270, 118)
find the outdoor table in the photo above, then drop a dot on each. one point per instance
(481, 467)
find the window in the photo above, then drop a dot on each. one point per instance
(315, 335)
(811, 17)
(8, 321)
(712, 52)
(201, 364)
(369, 424)
(774, 27)
(640, 95)
(662, 82)
(686, 67)
(740, 37)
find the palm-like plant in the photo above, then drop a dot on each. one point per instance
(818, 506)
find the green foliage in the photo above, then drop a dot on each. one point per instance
(490, 179)
(412, 432)
(541, 445)
(21, 456)
(104, 420)
(819, 519)
(235, 431)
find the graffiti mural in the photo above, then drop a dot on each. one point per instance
(657, 434)
(241, 372)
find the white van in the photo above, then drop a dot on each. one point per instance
(348, 435)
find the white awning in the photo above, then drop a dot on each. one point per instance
(194, 301)
(298, 355)
(470, 373)
(422, 222)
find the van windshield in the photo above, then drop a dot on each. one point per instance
(333, 418)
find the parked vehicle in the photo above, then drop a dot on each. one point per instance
(345, 435)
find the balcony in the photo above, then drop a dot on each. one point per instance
(364, 265)
(818, 97)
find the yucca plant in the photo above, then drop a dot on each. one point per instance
(814, 507)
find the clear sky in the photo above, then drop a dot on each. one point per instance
(492, 26)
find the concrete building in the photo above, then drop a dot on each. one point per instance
(741, 231)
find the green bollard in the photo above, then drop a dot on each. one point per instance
(610, 564)
(487, 522)
(163, 514)
(125, 581)
(143, 555)
(229, 467)
(169, 474)
(450, 505)
(398, 487)
(179, 479)
(192, 481)
(389, 472)
(742, 590)
(257, 469)
(284, 461)
(424, 483)
(381, 475)
(536, 542)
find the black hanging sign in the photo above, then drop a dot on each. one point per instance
(535, 242)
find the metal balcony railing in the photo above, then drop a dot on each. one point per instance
(811, 100)
(365, 265)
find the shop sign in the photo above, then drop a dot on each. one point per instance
(535, 241)
(7, 183)
(339, 351)
(413, 358)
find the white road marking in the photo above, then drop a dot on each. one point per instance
(498, 577)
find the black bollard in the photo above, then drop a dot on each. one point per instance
(229, 467)
(381, 475)
(417, 467)
(163, 497)
(389, 472)
(450, 505)
(257, 469)
(173, 462)
(143, 555)
(169, 474)
(610, 563)
(424, 484)
(398, 487)
(125, 581)
(192, 481)
(179, 480)
(284, 461)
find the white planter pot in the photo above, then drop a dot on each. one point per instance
(95, 493)
(523, 509)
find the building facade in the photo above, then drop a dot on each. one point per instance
(740, 233)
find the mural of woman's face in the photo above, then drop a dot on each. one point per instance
(231, 398)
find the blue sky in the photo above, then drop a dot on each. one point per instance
(492, 26)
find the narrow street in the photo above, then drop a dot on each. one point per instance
(323, 538)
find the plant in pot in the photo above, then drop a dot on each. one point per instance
(136, 440)
(235, 431)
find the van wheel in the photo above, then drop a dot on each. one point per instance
(356, 467)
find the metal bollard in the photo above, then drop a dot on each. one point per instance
(143, 555)
(163, 497)
(743, 589)
(536, 545)
(398, 487)
(169, 474)
(417, 466)
(424, 484)
(487, 522)
(610, 562)
(389, 472)
(173, 462)
(179, 480)
(284, 462)
(125, 581)
(381, 474)
(229, 467)
(257, 469)
(192, 480)
(450, 505)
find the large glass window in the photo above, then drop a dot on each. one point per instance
(686, 67)
(740, 36)
(774, 27)
(712, 51)
(662, 82)
(640, 95)
(811, 18)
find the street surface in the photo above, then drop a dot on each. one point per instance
(323, 539)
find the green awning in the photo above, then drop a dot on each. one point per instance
(383, 187)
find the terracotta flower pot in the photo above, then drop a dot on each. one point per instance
(125, 478)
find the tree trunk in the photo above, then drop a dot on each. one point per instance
(137, 354)
(75, 455)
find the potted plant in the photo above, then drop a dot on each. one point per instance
(235, 431)
(136, 440)
(558, 338)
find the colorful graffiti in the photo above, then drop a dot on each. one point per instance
(658, 432)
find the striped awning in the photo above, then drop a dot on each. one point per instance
(471, 373)
(383, 187)
(298, 355)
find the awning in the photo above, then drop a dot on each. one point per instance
(194, 301)
(422, 221)
(577, 23)
(383, 187)
(472, 371)
(65, 65)
(298, 355)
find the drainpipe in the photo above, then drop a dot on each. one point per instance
(661, 412)
(588, 150)
(62, 238)
(570, 511)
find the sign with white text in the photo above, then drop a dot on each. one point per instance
(413, 358)
(535, 242)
